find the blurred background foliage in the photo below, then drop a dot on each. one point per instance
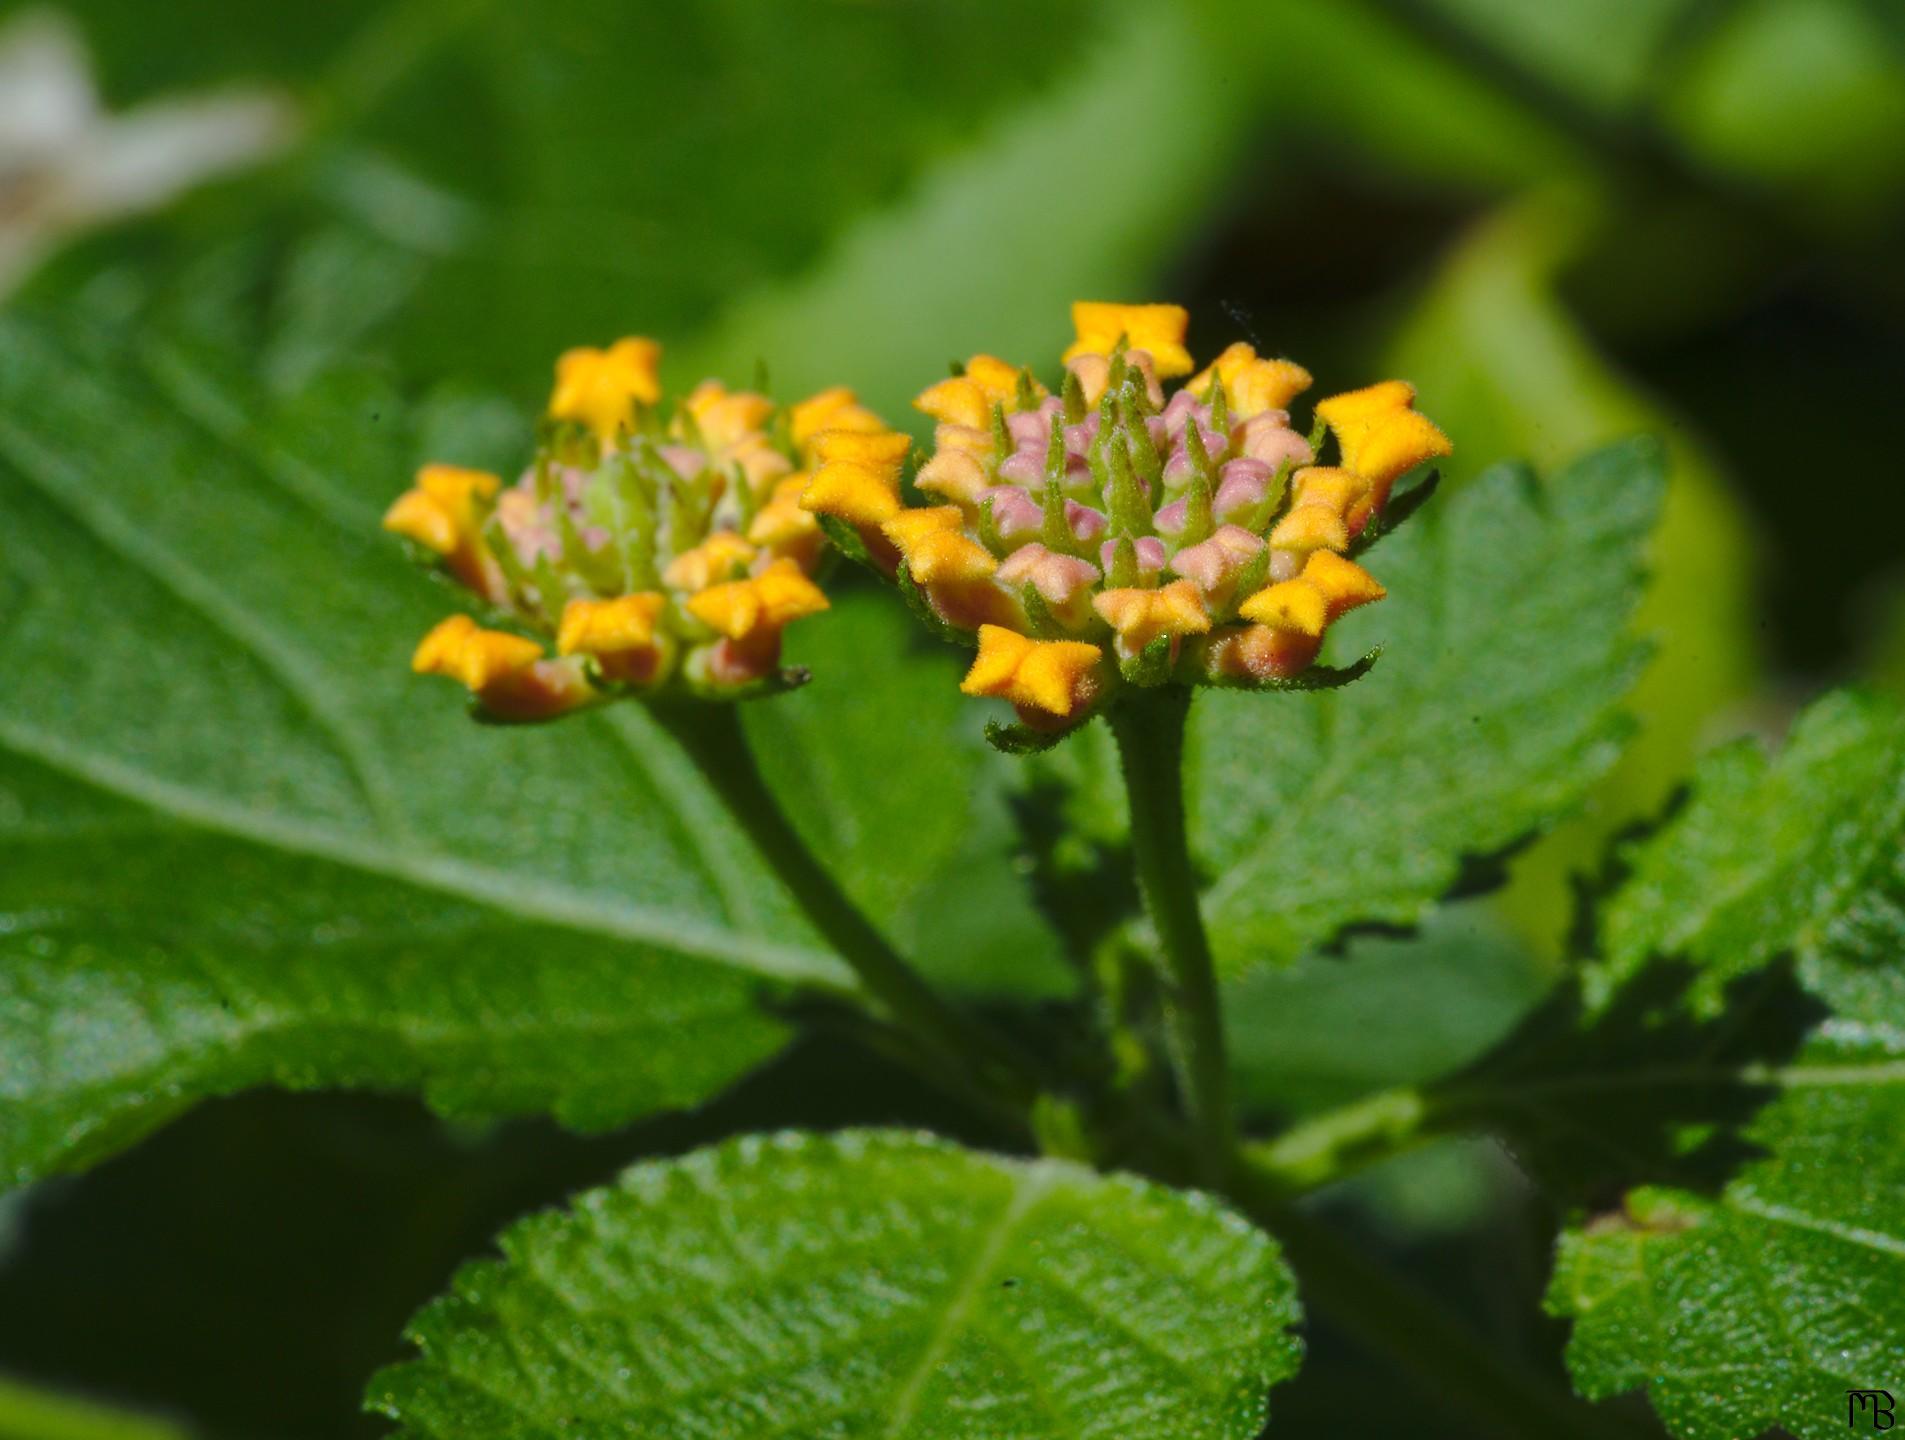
(1564, 221)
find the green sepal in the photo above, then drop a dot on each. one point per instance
(1055, 531)
(1199, 521)
(1130, 512)
(1025, 397)
(1397, 512)
(779, 682)
(1219, 401)
(1317, 677)
(1319, 431)
(1072, 392)
(1021, 739)
(1151, 666)
(1145, 459)
(1002, 445)
(918, 601)
(616, 501)
(846, 540)
(1124, 565)
(1038, 615)
(989, 535)
(1056, 458)
(1249, 580)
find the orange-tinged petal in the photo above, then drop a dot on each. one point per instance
(1398, 443)
(787, 595)
(454, 485)
(734, 609)
(721, 556)
(909, 527)
(1344, 584)
(955, 474)
(996, 379)
(1332, 488)
(781, 523)
(1158, 330)
(1140, 616)
(423, 518)
(948, 556)
(1310, 527)
(1049, 675)
(1265, 385)
(601, 388)
(855, 493)
(1358, 407)
(600, 627)
(1052, 676)
(1289, 605)
(955, 401)
(834, 409)
(884, 450)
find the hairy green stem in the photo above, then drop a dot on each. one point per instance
(1149, 726)
(1390, 1316)
(963, 1051)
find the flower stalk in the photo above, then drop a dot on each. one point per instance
(1149, 726)
(968, 1055)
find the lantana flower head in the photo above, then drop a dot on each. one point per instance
(1113, 533)
(648, 548)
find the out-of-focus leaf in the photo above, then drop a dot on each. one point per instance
(1599, 54)
(1506, 371)
(1418, 1007)
(1388, 95)
(1495, 707)
(1806, 97)
(872, 1283)
(1101, 173)
(30, 1413)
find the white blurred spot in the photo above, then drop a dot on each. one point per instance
(66, 165)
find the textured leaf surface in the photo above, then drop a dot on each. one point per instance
(1804, 852)
(867, 1285)
(1494, 708)
(1762, 1304)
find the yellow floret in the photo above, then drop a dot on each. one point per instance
(1048, 675)
(601, 388)
(1157, 329)
(1140, 616)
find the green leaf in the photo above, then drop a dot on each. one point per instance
(1496, 706)
(1803, 853)
(1506, 368)
(1762, 1306)
(1772, 895)
(1693, 1053)
(868, 1284)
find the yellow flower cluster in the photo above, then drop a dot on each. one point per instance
(1108, 534)
(657, 550)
